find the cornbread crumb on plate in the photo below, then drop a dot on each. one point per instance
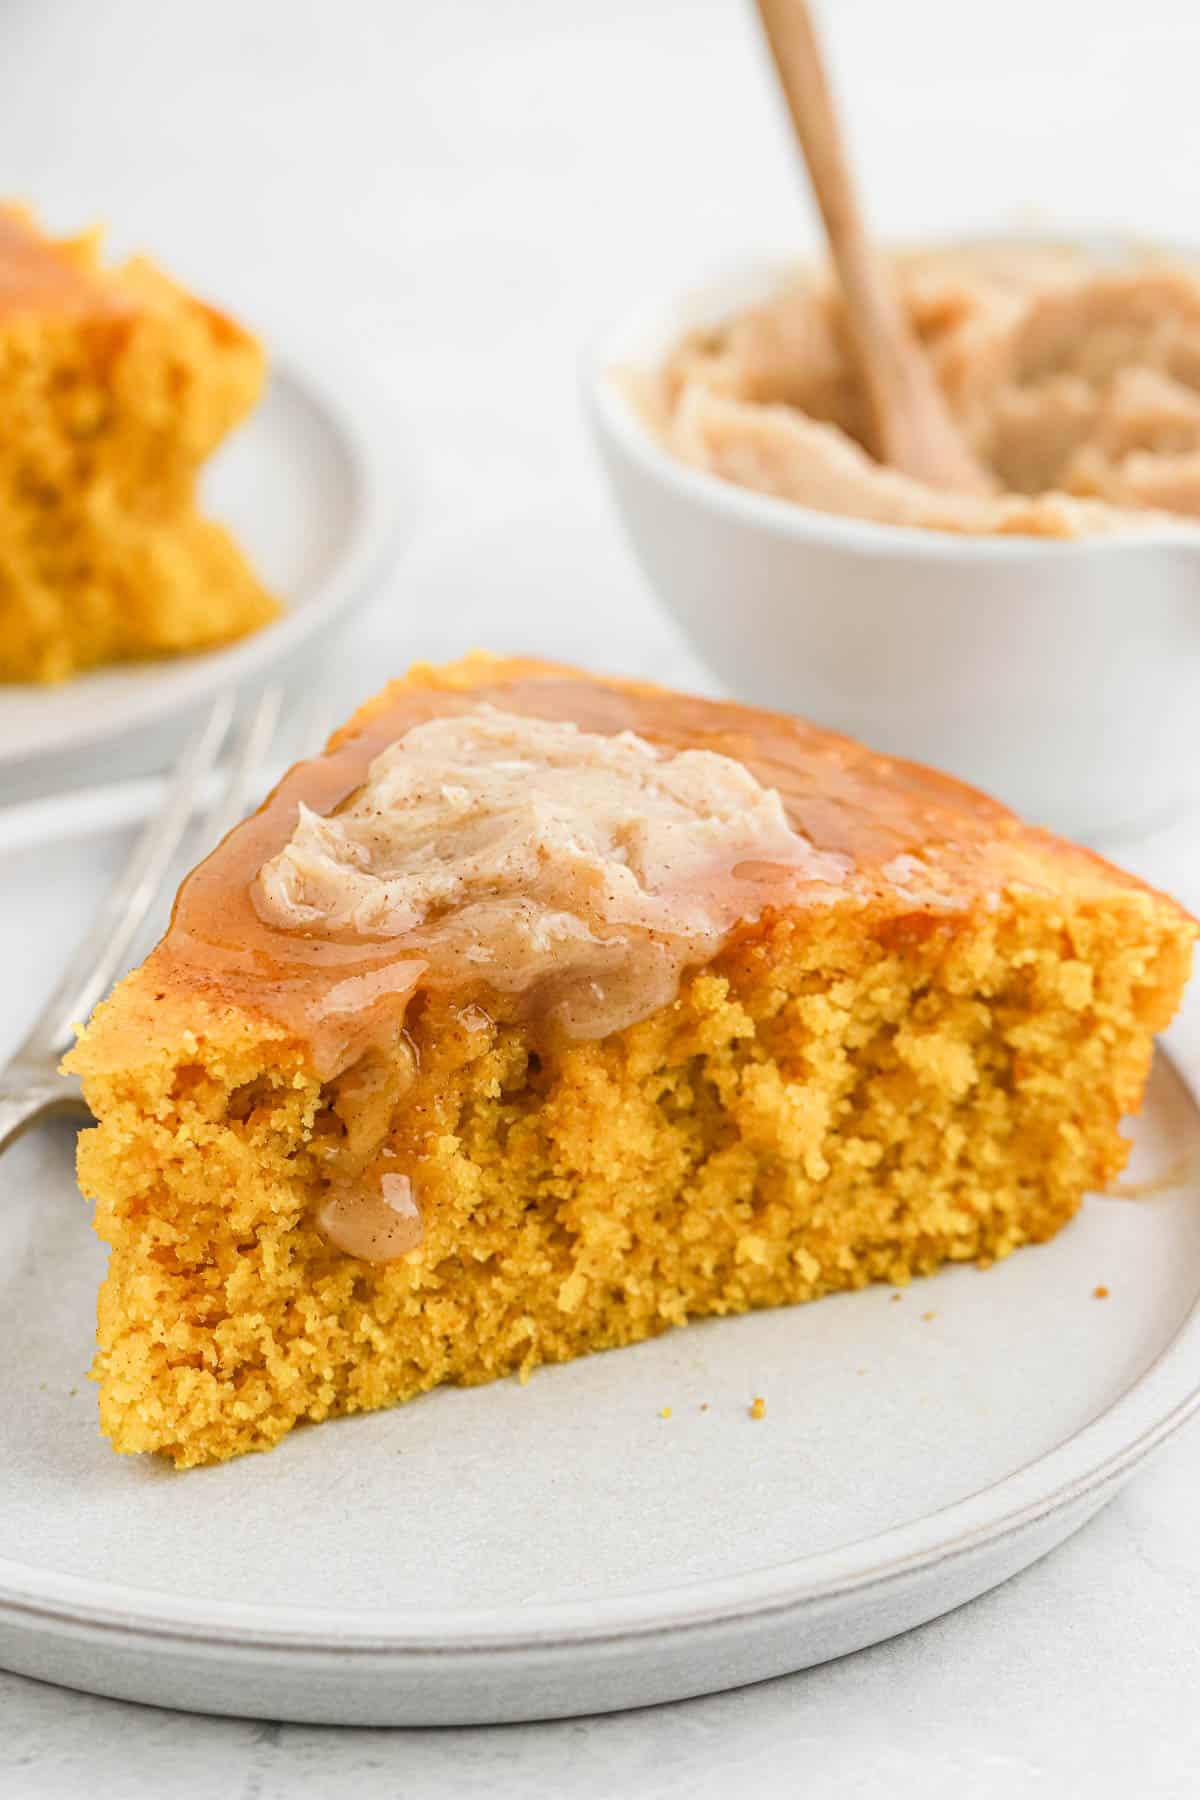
(116, 386)
(758, 1407)
(338, 1167)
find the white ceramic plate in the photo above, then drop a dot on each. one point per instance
(314, 490)
(509, 1553)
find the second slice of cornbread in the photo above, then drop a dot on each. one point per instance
(115, 386)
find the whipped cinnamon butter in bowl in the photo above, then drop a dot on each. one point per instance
(1042, 641)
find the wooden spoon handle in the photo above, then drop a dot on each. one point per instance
(913, 428)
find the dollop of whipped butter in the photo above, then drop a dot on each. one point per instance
(535, 858)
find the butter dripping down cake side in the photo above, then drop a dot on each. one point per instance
(544, 1012)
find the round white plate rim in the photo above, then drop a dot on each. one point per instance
(386, 491)
(1089, 1463)
(86, 812)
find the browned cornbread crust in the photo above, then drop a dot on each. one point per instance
(933, 1068)
(115, 386)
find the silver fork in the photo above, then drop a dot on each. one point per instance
(31, 1089)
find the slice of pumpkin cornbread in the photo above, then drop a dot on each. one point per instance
(542, 1012)
(115, 387)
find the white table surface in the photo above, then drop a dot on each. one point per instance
(463, 190)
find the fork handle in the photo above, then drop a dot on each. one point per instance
(24, 1102)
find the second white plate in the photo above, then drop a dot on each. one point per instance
(314, 489)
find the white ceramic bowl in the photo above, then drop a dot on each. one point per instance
(1063, 677)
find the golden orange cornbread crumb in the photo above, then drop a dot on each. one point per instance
(758, 1407)
(852, 1092)
(115, 386)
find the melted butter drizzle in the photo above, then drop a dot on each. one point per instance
(340, 995)
(37, 276)
(375, 1221)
